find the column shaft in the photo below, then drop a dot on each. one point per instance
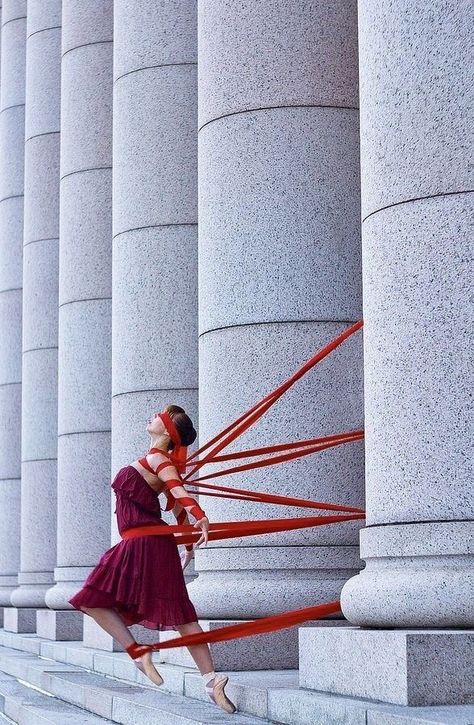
(417, 205)
(279, 276)
(154, 344)
(40, 304)
(84, 364)
(12, 143)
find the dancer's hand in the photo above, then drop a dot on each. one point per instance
(202, 524)
(186, 557)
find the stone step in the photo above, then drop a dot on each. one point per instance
(102, 697)
(26, 706)
(247, 689)
(265, 696)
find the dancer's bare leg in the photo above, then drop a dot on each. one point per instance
(199, 652)
(111, 621)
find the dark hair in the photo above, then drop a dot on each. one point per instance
(184, 425)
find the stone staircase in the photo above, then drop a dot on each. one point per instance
(66, 683)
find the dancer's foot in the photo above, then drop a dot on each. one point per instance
(215, 685)
(141, 655)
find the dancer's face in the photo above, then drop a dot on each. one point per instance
(155, 425)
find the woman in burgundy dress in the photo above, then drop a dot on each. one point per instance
(140, 580)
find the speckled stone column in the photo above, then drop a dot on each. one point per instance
(40, 304)
(279, 276)
(154, 342)
(417, 206)
(84, 298)
(12, 139)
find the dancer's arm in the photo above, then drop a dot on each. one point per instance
(173, 482)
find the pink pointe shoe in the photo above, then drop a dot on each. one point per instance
(145, 663)
(216, 691)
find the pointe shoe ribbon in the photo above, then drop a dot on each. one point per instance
(216, 691)
(144, 651)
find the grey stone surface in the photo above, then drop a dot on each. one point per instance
(416, 98)
(84, 385)
(173, 40)
(40, 295)
(154, 298)
(55, 625)
(86, 103)
(154, 354)
(43, 72)
(88, 245)
(307, 157)
(84, 372)
(19, 620)
(40, 300)
(279, 276)
(419, 331)
(334, 476)
(12, 79)
(425, 570)
(418, 315)
(271, 651)
(155, 149)
(301, 575)
(256, 56)
(404, 667)
(12, 140)
(43, 17)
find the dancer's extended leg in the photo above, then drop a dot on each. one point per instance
(111, 621)
(201, 654)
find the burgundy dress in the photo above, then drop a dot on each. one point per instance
(141, 578)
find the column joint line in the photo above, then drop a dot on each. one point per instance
(418, 198)
(154, 226)
(85, 45)
(87, 299)
(5, 385)
(275, 322)
(276, 108)
(12, 20)
(149, 67)
(11, 289)
(82, 171)
(35, 349)
(45, 239)
(423, 521)
(82, 432)
(38, 135)
(43, 30)
(13, 196)
(14, 105)
(151, 390)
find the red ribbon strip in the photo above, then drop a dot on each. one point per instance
(186, 534)
(258, 626)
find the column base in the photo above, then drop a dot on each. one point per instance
(403, 667)
(59, 625)
(19, 619)
(416, 575)
(242, 582)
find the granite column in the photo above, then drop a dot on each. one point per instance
(40, 307)
(84, 365)
(12, 146)
(279, 276)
